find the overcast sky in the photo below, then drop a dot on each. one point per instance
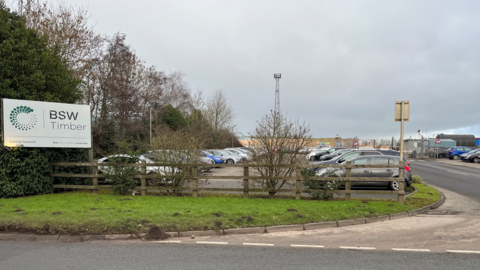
(343, 63)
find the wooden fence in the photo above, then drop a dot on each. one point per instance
(194, 176)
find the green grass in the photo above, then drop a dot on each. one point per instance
(86, 213)
(426, 195)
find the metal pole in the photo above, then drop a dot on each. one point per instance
(232, 133)
(401, 131)
(150, 125)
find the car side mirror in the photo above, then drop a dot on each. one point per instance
(341, 160)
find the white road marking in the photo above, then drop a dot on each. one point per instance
(359, 248)
(411, 249)
(311, 246)
(463, 251)
(257, 244)
(215, 243)
(173, 242)
(456, 172)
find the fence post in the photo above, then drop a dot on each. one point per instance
(195, 181)
(401, 182)
(143, 170)
(95, 179)
(298, 183)
(245, 182)
(348, 184)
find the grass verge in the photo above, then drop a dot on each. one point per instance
(85, 213)
(425, 195)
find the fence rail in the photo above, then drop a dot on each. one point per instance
(194, 176)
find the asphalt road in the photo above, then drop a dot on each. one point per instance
(14, 255)
(457, 178)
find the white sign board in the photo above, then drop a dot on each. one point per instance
(45, 124)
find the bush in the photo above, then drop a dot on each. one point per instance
(121, 175)
(417, 179)
(26, 171)
(318, 189)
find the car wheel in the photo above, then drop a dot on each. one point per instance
(394, 185)
(312, 158)
(475, 160)
(455, 157)
(230, 161)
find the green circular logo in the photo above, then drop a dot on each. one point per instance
(22, 118)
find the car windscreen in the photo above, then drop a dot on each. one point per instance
(338, 157)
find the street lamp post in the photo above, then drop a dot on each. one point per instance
(152, 105)
(232, 133)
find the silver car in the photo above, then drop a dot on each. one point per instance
(236, 151)
(124, 158)
(229, 158)
(372, 172)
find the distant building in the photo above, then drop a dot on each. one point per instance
(462, 140)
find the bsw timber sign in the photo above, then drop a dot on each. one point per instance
(45, 124)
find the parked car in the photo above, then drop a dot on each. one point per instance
(455, 152)
(373, 172)
(334, 154)
(305, 150)
(217, 159)
(318, 155)
(472, 156)
(359, 152)
(236, 151)
(229, 158)
(124, 159)
(438, 152)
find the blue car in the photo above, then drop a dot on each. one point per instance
(455, 152)
(217, 159)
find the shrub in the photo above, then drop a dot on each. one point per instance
(121, 175)
(318, 189)
(417, 179)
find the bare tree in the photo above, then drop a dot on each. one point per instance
(176, 148)
(176, 92)
(218, 113)
(67, 29)
(280, 140)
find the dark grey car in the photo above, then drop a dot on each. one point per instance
(373, 172)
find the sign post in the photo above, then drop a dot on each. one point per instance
(402, 114)
(355, 143)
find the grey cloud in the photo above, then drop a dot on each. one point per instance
(343, 63)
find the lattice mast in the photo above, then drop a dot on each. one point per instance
(277, 77)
